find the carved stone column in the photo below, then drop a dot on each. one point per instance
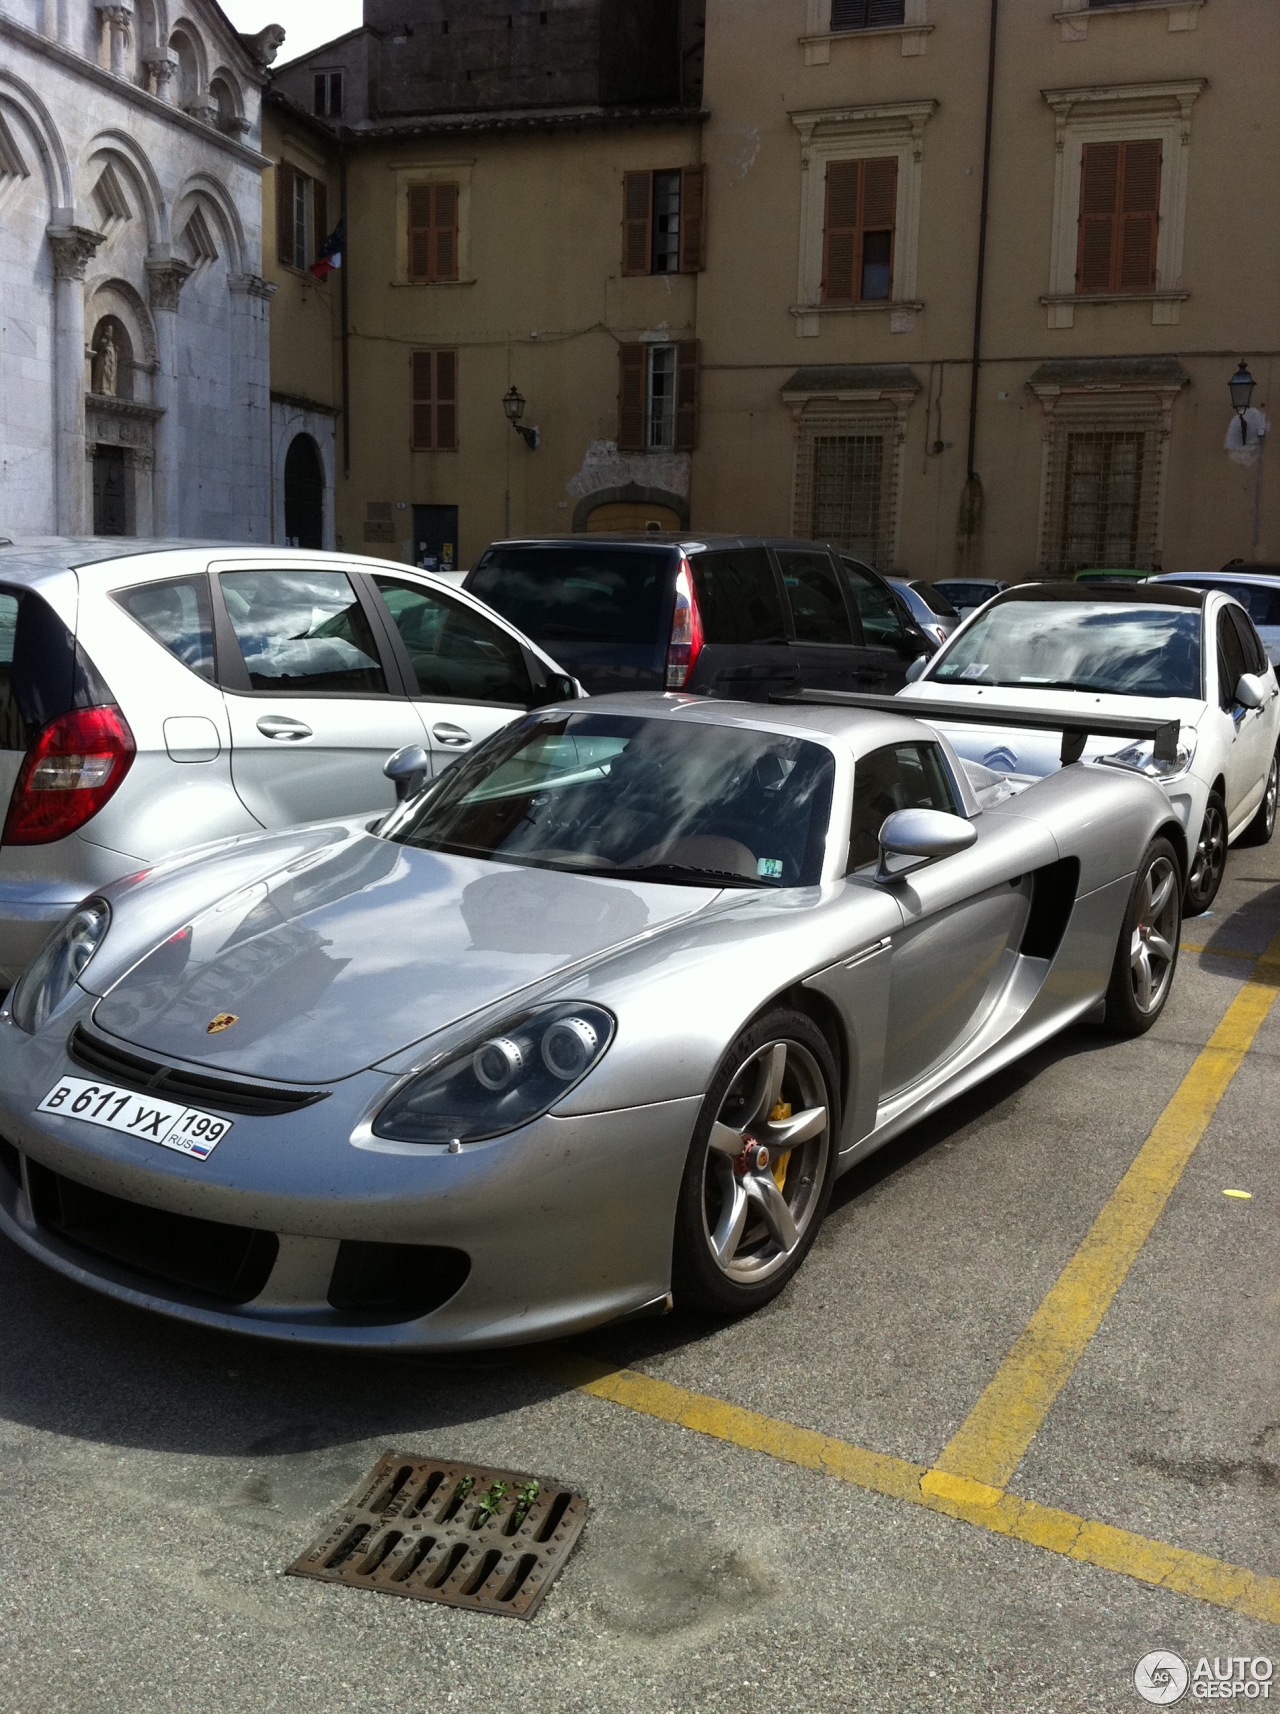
(251, 397)
(73, 248)
(116, 20)
(166, 274)
(162, 68)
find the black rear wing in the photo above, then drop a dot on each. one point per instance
(1076, 729)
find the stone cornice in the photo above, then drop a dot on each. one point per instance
(130, 92)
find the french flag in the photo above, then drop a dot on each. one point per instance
(330, 254)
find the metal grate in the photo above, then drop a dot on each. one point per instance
(493, 1540)
(1103, 490)
(846, 482)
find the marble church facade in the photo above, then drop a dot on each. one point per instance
(134, 353)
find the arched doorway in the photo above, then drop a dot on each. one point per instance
(303, 494)
(622, 515)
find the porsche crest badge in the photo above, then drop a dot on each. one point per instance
(223, 1021)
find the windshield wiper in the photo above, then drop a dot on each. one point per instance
(1044, 684)
(683, 872)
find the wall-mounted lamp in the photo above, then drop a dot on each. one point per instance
(513, 406)
(1240, 386)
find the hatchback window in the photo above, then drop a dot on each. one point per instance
(738, 596)
(455, 653)
(817, 602)
(585, 594)
(178, 615)
(934, 600)
(302, 631)
(43, 672)
(901, 776)
(1103, 646)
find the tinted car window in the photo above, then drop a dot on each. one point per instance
(901, 776)
(1231, 659)
(881, 622)
(738, 596)
(43, 671)
(1079, 645)
(817, 603)
(1255, 656)
(601, 594)
(178, 615)
(302, 631)
(1260, 603)
(934, 600)
(455, 653)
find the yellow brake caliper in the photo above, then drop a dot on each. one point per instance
(781, 1111)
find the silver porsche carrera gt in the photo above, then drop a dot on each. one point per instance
(589, 1023)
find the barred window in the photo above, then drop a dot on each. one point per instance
(846, 487)
(1103, 492)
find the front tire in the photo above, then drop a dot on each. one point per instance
(1208, 859)
(1147, 951)
(760, 1169)
(1263, 825)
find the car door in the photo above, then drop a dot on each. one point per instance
(827, 647)
(963, 917)
(1253, 741)
(890, 642)
(314, 703)
(468, 676)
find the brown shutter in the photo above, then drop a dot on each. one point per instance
(423, 368)
(631, 379)
(693, 213)
(319, 218)
(637, 223)
(284, 212)
(840, 239)
(1139, 215)
(686, 395)
(446, 400)
(879, 207)
(444, 247)
(1099, 187)
(420, 232)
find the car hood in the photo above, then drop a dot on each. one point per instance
(348, 956)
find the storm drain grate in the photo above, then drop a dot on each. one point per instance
(469, 1536)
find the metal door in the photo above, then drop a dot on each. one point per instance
(435, 537)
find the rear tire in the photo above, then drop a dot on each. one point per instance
(1147, 951)
(750, 1206)
(1208, 859)
(1263, 825)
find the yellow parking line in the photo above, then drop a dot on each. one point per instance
(989, 1445)
(1173, 1568)
(1218, 951)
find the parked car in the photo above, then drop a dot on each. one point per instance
(1257, 591)
(1100, 574)
(594, 1019)
(1150, 647)
(934, 614)
(968, 593)
(729, 614)
(154, 700)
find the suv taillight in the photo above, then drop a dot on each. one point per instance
(685, 643)
(75, 764)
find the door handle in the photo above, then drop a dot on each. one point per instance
(284, 726)
(445, 733)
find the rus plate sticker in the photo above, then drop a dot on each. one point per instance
(185, 1129)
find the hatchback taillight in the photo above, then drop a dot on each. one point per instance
(75, 764)
(685, 643)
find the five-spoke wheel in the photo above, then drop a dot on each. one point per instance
(1147, 953)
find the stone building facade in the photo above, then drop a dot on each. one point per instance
(134, 338)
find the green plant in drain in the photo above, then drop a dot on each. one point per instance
(490, 1502)
(525, 1496)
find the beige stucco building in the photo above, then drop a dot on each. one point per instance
(736, 287)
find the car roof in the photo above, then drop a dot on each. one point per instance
(1217, 578)
(690, 541)
(1126, 594)
(859, 729)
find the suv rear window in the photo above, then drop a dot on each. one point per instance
(178, 615)
(584, 594)
(42, 671)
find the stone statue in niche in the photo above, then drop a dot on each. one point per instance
(106, 364)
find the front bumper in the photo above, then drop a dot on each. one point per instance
(567, 1223)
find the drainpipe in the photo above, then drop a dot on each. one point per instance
(971, 503)
(343, 275)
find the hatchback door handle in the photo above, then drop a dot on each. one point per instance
(444, 733)
(284, 726)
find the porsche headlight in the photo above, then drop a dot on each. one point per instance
(502, 1082)
(54, 970)
(1141, 756)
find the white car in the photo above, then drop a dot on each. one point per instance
(1111, 649)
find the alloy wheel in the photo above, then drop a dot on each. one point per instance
(1209, 858)
(1153, 948)
(766, 1162)
(1269, 798)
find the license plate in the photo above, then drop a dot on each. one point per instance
(185, 1129)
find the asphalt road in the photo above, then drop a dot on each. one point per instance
(155, 1481)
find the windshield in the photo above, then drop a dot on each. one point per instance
(601, 594)
(1079, 645)
(650, 799)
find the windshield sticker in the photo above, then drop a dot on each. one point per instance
(769, 867)
(975, 669)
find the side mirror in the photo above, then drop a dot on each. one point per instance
(916, 669)
(407, 770)
(921, 835)
(1250, 691)
(555, 687)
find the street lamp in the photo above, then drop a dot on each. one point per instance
(513, 406)
(1240, 386)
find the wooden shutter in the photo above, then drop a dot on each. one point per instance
(435, 400)
(840, 238)
(1139, 215)
(420, 232)
(446, 401)
(319, 218)
(1099, 189)
(284, 213)
(879, 194)
(631, 386)
(693, 209)
(423, 364)
(444, 232)
(686, 395)
(637, 223)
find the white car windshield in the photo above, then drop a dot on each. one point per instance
(1103, 646)
(604, 794)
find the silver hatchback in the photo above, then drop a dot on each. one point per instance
(153, 701)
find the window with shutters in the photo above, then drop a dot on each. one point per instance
(839, 21)
(300, 215)
(658, 397)
(1119, 216)
(857, 243)
(433, 233)
(663, 221)
(866, 14)
(434, 377)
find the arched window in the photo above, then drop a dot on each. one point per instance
(184, 51)
(303, 494)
